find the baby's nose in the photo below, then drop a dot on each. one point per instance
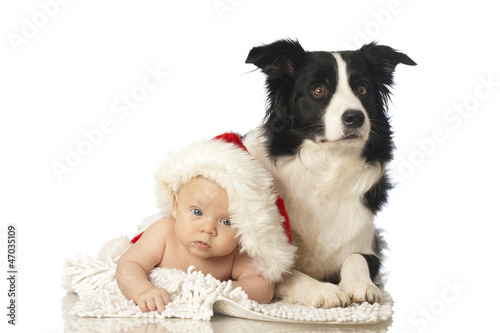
(208, 226)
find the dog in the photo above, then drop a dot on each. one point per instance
(327, 140)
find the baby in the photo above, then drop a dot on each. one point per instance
(199, 233)
(221, 216)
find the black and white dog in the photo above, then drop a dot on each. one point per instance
(326, 139)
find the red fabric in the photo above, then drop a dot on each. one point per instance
(286, 225)
(232, 138)
(136, 238)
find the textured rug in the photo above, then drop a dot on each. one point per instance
(197, 296)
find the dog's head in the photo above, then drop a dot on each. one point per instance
(335, 99)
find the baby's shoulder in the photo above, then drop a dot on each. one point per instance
(162, 225)
(242, 264)
(241, 258)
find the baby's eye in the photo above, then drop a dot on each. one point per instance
(226, 222)
(196, 211)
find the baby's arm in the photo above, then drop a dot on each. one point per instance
(246, 276)
(135, 264)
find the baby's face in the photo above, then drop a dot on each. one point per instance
(202, 219)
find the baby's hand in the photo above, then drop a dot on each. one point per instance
(153, 299)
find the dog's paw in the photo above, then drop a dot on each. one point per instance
(320, 295)
(330, 296)
(302, 289)
(362, 291)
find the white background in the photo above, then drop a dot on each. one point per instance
(66, 66)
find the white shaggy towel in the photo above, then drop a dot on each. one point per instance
(197, 296)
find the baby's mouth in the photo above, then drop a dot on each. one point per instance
(202, 245)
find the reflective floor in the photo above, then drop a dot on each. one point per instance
(219, 323)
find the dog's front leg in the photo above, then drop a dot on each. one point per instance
(355, 280)
(303, 289)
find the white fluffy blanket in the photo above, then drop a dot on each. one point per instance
(197, 296)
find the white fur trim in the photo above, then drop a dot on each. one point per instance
(252, 201)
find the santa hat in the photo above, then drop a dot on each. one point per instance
(257, 213)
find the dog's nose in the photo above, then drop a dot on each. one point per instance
(353, 118)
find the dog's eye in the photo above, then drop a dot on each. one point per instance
(362, 90)
(319, 91)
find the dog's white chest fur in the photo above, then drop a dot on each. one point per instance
(323, 189)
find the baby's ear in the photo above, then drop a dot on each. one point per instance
(174, 208)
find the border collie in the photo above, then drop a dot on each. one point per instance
(326, 139)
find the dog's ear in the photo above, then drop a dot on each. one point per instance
(278, 58)
(385, 57)
(383, 61)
